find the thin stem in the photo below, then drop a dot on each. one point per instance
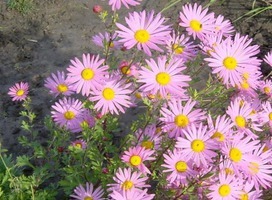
(170, 5)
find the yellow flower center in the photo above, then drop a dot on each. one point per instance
(266, 90)
(181, 121)
(177, 49)
(254, 167)
(230, 63)
(148, 144)
(229, 171)
(138, 95)
(78, 145)
(244, 196)
(135, 160)
(111, 44)
(125, 70)
(198, 146)
(88, 198)
(235, 155)
(127, 185)
(69, 115)
(142, 36)
(20, 92)
(62, 88)
(181, 166)
(224, 190)
(270, 116)
(163, 78)
(240, 121)
(244, 85)
(196, 25)
(108, 93)
(87, 74)
(219, 136)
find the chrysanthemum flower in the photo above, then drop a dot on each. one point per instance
(268, 58)
(249, 192)
(227, 187)
(67, 112)
(196, 21)
(266, 87)
(239, 151)
(125, 179)
(136, 156)
(116, 4)
(88, 75)
(245, 121)
(113, 96)
(59, 84)
(131, 194)
(180, 46)
(266, 114)
(19, 91)
(259, 168)
(164, 78)
(80, 144)
(148, 138)
(146, 31)
(221, 128)
(178, 117)
(88, 193)
(85, 120)
(179, 166)
(197, 145)
(223, 27)
(232, 58)
(129, 69)
(107, 40)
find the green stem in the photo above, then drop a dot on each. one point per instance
(170, 5)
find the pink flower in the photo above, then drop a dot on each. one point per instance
(164, 77)
(268, 58)
(145, 31)
(177, 116)
(85, 120)
(116, 4)
(266, 87)
(59, 84)
(179, 166)
(81, 193)
(136, 156)
(131, 194)
(233, 58)
(266, 114)
(107, 40)
(196, 21)
(19, 91)
(223, 27)
(80, 144)
(88, 75)
(129, 69)
(67, 112)
(197, 145)
(112, 96)
(126, 180)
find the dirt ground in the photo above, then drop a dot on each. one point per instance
(43, 41)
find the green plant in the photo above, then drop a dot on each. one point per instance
(22, 6)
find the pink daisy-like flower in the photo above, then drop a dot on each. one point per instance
(266, 87)
(177, 117)
(80, 144)
(196, 21)
(19, 91)
(127, 180)
(266, 114)
(113, 96)
(260, 168)
(129, 69)
(163, 77)
(88, 75)
(116, 4)
(67, 112)
(249, 192)
(136, 156)
(131, 194)
(146, 31)
(149, 138)
(268, 58)
(59, 84)
(227, 187)
(245, 121)
(88, 193)
(86, 120)
(209, 42)
(221, 128)
(232, 58)
(239, 152)
(179, 166)
(197, 145)
(180, 46)
(223, 27)
(107, 40)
